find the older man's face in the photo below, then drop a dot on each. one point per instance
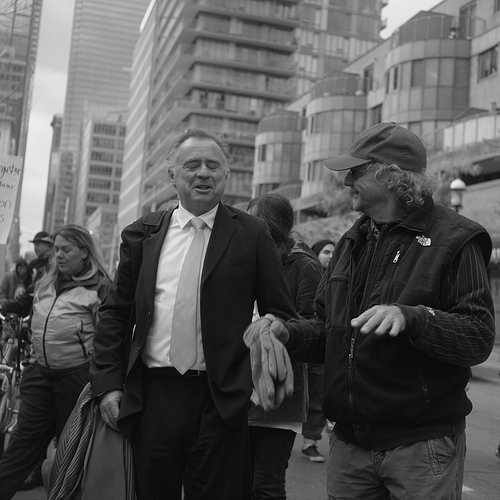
(369, 196)
(200, 174)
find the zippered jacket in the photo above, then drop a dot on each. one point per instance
(385, 391)
(303, 274)
(63, 321)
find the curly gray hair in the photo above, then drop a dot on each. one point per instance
(412, 188)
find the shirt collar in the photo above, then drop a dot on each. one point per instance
(184, 216)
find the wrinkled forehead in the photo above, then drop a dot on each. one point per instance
(198, 148)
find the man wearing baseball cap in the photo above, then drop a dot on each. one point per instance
(402, 313)
(44, 249)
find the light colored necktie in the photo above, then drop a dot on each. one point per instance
(187, 304)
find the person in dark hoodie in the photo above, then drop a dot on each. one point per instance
(272, 434)
(316, 421)
(64, 316)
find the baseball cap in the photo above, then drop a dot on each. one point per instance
(42, 236)
(384, 143)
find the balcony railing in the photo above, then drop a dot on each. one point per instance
(284, 39)
(338, 85)
(438, 26)
(253, 8)
(470, 131)
(457, 144)
(261, 59)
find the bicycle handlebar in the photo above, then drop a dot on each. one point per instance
(4, 318)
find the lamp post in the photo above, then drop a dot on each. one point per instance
(457, 189)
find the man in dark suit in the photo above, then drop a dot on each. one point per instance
(188, 428)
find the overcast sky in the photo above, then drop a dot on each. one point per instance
(50, 89)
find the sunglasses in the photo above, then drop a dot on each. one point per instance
(358, 172)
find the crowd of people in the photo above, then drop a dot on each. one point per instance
(222, 335)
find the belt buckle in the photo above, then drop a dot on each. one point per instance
(193, 373)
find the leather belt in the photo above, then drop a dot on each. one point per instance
(171, 372)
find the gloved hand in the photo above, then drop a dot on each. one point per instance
(272, 371)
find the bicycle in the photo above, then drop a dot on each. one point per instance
(13, 347)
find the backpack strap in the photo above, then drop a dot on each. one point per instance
(152, 222)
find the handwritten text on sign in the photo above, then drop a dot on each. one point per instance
(10, 177)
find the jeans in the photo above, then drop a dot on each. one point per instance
(270, 449)
(426, 470)
(313, 427)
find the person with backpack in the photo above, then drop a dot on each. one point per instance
(170, 368)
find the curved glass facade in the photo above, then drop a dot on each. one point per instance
(277, 152)
(335, 115)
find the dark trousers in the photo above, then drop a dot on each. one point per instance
(180, 441)
(315, 423)
(270, 450)
(46, 404)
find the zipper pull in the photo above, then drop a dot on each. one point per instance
(396, 258)
(351, 351)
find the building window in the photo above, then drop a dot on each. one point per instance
(101, 170)
(261, 153)
(368, 79)
(101, 128)
(312, 124)
(102, 156)
(103, 142)
(376, 115)
(417, 73)
(395, 76)
(496, 6)
(488, 63)
(467, 20)
(98, 197)
(99, 184)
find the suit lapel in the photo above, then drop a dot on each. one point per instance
(222, 232)
(151, 249)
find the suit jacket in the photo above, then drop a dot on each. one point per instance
(241, 266)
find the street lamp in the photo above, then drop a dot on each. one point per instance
(457, 189)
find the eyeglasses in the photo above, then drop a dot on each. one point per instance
(357, 172)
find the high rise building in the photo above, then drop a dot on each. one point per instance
(100, 168)
(102, 43)
(98, 185)
(223, 65)
(54, 162)
(19, 30)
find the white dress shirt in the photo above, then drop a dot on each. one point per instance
(179, 236)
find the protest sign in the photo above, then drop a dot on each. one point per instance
(10, 180)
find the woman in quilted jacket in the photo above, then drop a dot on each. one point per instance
(63, 320)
